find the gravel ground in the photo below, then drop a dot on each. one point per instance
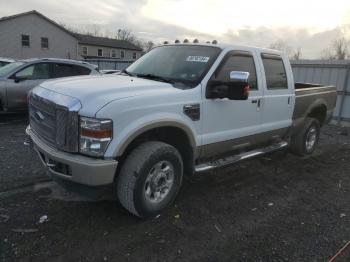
(19, 165)
(276, 208)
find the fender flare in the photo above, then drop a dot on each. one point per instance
(154, 125)
(318, 103)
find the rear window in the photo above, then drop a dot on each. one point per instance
(275, 72)
(65, 70)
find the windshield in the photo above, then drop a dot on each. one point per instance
(2, 63)
(9, 68)
(185, 64)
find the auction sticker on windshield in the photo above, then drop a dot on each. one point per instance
(200, 59)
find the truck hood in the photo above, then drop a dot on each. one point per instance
(96, 91)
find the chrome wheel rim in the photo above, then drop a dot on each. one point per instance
(159, 181)
(311, 138)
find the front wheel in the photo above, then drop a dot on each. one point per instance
(150, 178)
(306, 140)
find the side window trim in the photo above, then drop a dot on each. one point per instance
(271, 56)
(227, 56)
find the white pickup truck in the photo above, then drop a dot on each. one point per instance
(178, 110)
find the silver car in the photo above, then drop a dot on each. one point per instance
(18, 78)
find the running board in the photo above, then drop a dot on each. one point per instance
(237, 158)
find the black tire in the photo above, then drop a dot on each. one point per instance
(299, 140)
(134, 177)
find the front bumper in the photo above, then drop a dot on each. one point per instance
(72, 167)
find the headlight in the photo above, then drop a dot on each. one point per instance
(95, 135)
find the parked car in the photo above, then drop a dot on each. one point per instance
(5, 61)
(18, 78)
(109, 71)
(178, 110)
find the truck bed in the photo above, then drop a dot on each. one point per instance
(308, 96)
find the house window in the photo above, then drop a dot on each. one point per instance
(100, 52)
(25, 41)
(113, 53)
(44, 42)
(84, 50)
(134, 55)
(122, 54)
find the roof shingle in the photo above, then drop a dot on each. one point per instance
(106, 42)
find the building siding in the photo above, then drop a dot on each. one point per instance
(61, 44)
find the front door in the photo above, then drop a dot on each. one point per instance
(22, 82)
(227, 124)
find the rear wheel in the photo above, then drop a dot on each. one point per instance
(150, 178)
(305, 141)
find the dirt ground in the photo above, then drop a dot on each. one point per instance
(276, 208)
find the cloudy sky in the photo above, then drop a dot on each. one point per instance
(311, 25)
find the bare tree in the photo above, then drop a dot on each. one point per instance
(126, 34)
(147, 46)
(281, 46)
(96, 30)
(326, 54)
(339, 50)
(297, 54)
(284, 47)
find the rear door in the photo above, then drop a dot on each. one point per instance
(31, 76)
(278, 102)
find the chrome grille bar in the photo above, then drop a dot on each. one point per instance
(54, 118)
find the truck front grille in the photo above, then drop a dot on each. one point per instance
(54, 118)
(42, 117)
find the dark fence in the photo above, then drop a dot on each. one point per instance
(109, 63)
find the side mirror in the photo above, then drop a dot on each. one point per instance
(18, 79)
(236, 88)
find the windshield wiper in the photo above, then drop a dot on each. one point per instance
(124, 71)
(155, 77)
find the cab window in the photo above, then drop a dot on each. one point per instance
(236, 62)
(276, 77)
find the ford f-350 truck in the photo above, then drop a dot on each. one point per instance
(178, 110)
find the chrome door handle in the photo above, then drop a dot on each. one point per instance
(257, 102)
